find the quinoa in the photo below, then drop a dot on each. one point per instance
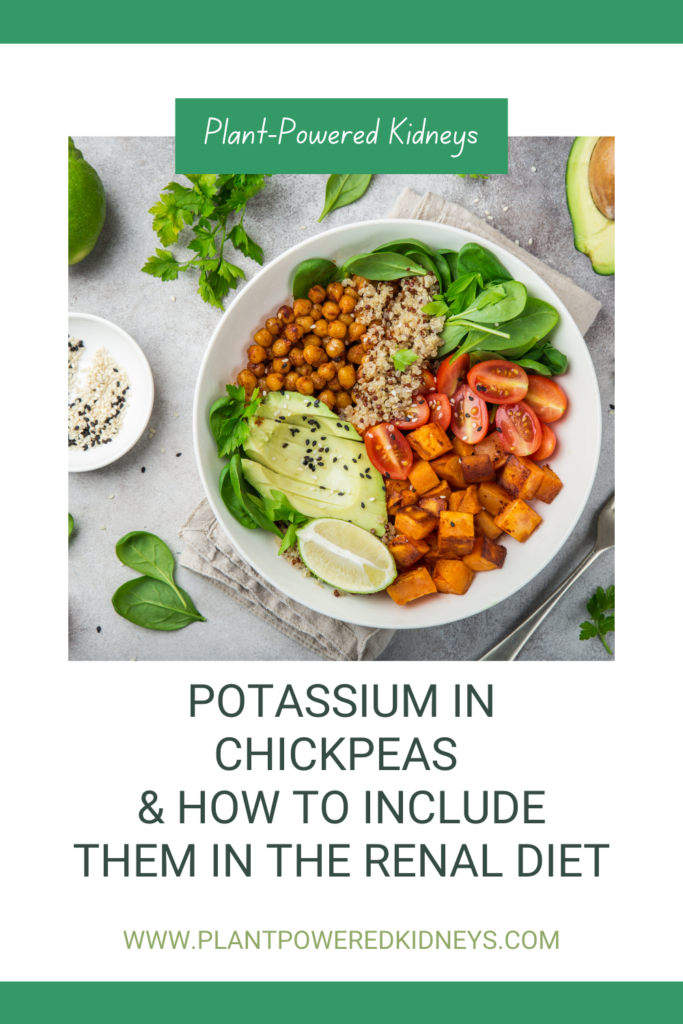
(393, 314)
(96, 410)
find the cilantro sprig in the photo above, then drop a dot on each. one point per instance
(602, 601)
(403, 358)
(229, 421)
(206, 205)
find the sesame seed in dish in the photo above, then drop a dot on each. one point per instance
(98, 405)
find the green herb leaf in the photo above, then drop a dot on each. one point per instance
(483, 177)
(232, 502)
(71, 524)
(149, 555)
(163, 265)
(343, 189)
(474, 258)
(601, 602)
(310, 273)
(403, 358)
(382, 266)
(228, 418)
(155, 605)
(239, 487)
(169, 217)
(241, 240)
(435, 308)
(531, 364)
(204, 242)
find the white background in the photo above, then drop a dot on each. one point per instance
(81, 743)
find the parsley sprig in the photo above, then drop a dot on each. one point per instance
(403, 358)
(602, 601)
(205, 206)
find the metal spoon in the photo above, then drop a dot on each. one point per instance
(509, 648)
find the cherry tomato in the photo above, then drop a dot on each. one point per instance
(441, 411)
(417, 414)
(428, 384)
(451, 375)
(498, 381)
(547, 445)
(388, 451)
(470, 422)
(546, 398)
(520, 430)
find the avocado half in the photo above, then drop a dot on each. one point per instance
(590, 198)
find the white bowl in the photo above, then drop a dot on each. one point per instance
(96, 333)
(579, 434)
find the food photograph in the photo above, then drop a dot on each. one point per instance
(341, 417)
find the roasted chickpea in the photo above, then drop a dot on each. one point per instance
(258, 369)
(345, 318)
(355, 354)
(305, 370)
(343, 400)
(293, 332)
(321, 328)
(347, 304)
(281, 347)
(269, 368)
(286, 314)
(352, 292)
(256, 353)
(366, 343)
(316, 311)
(347, 376)
(335, 386)
(358, 281)
(338, 329)
(314, 355)
(306, 322)
(365, 358)
(304, 386)
(330, 310)
(327, 371)
(356, 330)
(318, 381)
(247, 380)
(335, 290)
(302, 307)
(273, 326)
(275, 381)
(263, 337)
(335, 348)
(283, 365)
(297, 357)
(317, 293)
(290, 381)
(327, 397)
(269, 352)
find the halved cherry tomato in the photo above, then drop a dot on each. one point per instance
(546, 398)
(428, 383)
(388, 451)
(470, 422)
(547, 445)
(417, 414)
(451, 375)
(498, 381)
(440, 409)
(520, 430)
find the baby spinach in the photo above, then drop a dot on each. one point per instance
(497, 304)
(382, 266)
(154, 605)
(451, 258)
(531, 364)
(451, 336)
(474, 258)
(71, 523)
(228, 418)
(249, 504)
(148, 555)
(232, 502)
(343, 189)
(312, 272)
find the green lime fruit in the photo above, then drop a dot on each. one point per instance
(346, 556)
(87, 205)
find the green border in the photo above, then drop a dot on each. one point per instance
(341, 1002)
(271, 21)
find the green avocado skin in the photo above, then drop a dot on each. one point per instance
(593, 232)
(87, 206)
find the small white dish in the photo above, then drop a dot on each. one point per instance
(575, 461)
(95, 333)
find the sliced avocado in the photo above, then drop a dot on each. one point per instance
(587, 165)
(303, 453)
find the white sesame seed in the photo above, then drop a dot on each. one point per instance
(487, 212)
(152, 430)
(505, 208)
(516, 241)
(173, 298)
(110, 497)
(103, 527)
(533, 170)
(531, 241)
(475, 200)
(176, 414)
(489, 217)
(163, 451)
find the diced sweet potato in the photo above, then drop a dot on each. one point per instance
(432, 556)
(452, 576)
(492, 447)
(415, 522)
(455, 500)
(456, 533)
(477, 469)
(485, 555)
(462, 447)
(396, 485)
(550, 486)
(484, 525)
(411, 585)
(518, 520)
(395, 490)
(521, 477)
(422, 476)
(493, 497)
(429, 441)
(433, 505)
(406, 552)
(470, 500)
(448, 468)
(442, 490)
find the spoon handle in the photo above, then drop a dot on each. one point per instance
(509, 648)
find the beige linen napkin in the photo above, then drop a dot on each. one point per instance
(208, 552)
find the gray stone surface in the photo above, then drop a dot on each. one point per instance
(174, 336)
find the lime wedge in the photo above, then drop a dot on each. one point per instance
(346, 556)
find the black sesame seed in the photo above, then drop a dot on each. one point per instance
(499, 429)
(323, 438)
(178, 454)
(471, 398)
(346, 467)
(467, 415)
(346, 426)
(478, 429)
(452, 524)
(340, 493)
(611, 406)
(386, 475)
(285, 444)
(362, 504)
(334, 460)
(142, 469)
(99, 629)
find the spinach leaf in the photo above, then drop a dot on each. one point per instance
(462, 285)
(497, 304)
(451, 336)
(474, 258)
(423, 260)
(536, 320)
(155, 605)
(289, 539)
(71, 523)
(451, 257)
(531, 364)
(228, 418)
(403, 244)
(343, 189)
(231, 500)
(310, 272)
(248, 504)
(556, 361)
(149, 555)
(279, 508)
(382, 266)
(481, 356)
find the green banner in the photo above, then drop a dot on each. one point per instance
(524, 1002)
(318, 136)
